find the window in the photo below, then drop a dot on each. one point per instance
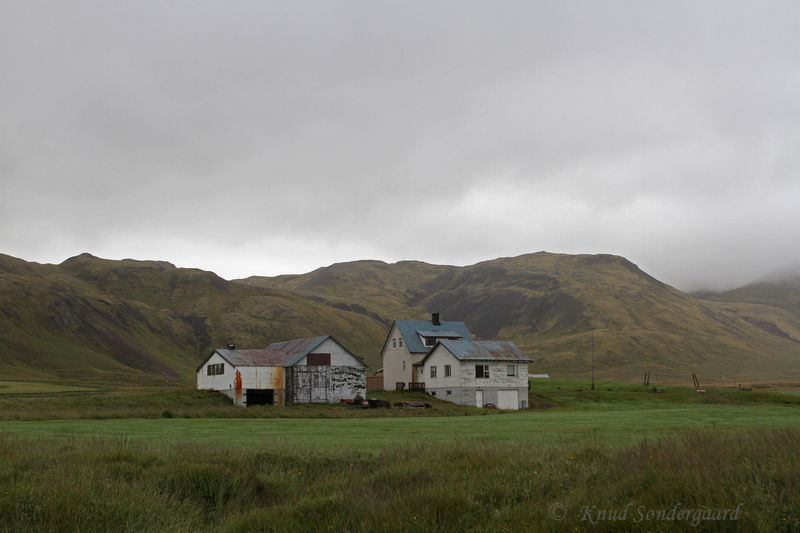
(394, 343)
(481, 371)
(318, 359)
(511, 370)
(449, 392)
(433, 371)
(404, 365)
(433, 393)
(429, 341)
(216, 369)
(447, 371)
(400, 342)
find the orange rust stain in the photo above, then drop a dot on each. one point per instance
(237, 385)
(276, 378)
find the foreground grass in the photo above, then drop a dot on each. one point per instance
(71, 484)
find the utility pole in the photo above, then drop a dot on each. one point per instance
(592, 359)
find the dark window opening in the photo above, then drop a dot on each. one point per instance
(318, 359)
(216, 369)
(481, 371)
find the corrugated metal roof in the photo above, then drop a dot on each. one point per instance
(285, 353)
(485, 351)
(441, 334)
(261, 357)
(297, 349)
(408, 329)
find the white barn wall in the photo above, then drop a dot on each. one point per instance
(339, 355)
(219, 382)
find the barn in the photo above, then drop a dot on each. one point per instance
(315, 370)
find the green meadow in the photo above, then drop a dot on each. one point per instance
(613, 427)
(186, 461)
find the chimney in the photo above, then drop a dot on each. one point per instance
(231, 346)
(435, 319)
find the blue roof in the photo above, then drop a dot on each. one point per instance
(410, 329)
(440, 334)
(485, 351)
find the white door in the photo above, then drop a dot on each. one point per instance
(478, 398)
(508, 399)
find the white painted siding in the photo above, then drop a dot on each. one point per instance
(439, 358)
(339, 355)
(219, 382)
(497, 374)
(393, 357)
(262, 377)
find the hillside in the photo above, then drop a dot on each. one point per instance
(553, 304)
(95, 320)
(782, 292)
(100, 321)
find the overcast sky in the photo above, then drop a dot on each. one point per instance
(256, 137)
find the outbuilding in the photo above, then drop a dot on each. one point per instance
(477, 373)
(314, 370)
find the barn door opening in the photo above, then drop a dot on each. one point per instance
(260, 397)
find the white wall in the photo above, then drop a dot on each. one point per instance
(218, 382)
(393, 358)
(497, 374)
(339, 355)
(262, 377)
(439, 358)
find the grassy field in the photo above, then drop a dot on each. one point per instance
(612, 427)
(37, 387)
(563, 466)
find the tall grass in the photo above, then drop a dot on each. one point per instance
(71, 484)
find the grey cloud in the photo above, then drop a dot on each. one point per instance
(666, 133)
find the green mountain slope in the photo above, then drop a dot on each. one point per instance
(782, 292)
(552, 305)
(95, 320)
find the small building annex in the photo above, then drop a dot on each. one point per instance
(314, 370)
(477, 373)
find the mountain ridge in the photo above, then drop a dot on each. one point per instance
(93, 319)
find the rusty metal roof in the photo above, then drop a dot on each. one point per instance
(260, 357)
(484, 351)
(286, 353)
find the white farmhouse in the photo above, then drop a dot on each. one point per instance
(441, 358)
(408, 342)
(315, 370)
